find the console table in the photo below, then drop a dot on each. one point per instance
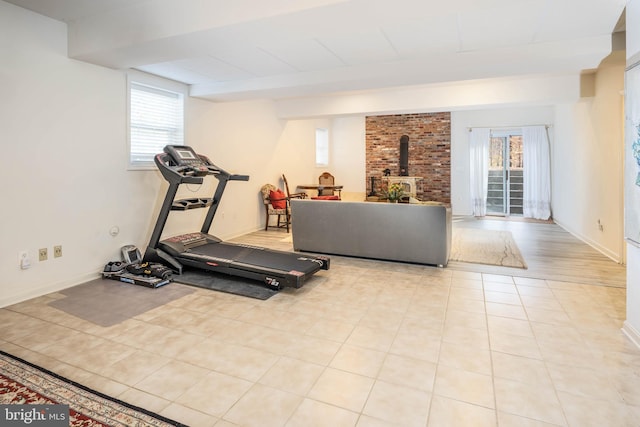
(319, 187)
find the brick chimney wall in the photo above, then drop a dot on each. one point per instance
(429, 151)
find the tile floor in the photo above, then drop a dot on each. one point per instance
(364, 344)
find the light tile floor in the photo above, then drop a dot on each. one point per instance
(363, 344)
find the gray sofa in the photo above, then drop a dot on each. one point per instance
(415, 233)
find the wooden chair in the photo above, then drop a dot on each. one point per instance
(284, 210)
(329, 194)
(291, 195)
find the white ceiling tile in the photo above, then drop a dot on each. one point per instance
(360, 47)
(508, 25)
(71, 10)
(254, 61)
(570, 19)
(303, 55)
(252, 48)
(213, 68)
(424, 37)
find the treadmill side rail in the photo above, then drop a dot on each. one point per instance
(320, 259)
(272, 277)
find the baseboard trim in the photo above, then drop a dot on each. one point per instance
(603, 250)
(631, 333)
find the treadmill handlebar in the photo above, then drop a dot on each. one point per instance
(192, 173)
(176, 173)
(238, 177)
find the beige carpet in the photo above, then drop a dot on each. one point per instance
(490, 247)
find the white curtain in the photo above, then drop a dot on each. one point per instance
(479, 169)
(537, 175)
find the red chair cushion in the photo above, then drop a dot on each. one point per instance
(326, 198)
(278, 199)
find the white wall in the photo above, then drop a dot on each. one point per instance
(348, 160)
(587, 163)
(632, 324)
(63, 127)
(248, 138)
(64, 154)
(243, 138)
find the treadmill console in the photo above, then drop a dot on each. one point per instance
(183, 155)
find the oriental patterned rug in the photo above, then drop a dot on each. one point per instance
(490, 247)
(22, 383)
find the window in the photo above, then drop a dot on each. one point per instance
(322, 147)
(156, 119)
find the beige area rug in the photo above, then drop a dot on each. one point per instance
(490, 247)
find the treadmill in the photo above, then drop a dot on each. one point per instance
(200, 250)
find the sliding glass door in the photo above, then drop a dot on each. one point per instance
(504, 195)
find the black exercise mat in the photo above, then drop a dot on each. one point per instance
(224, 283)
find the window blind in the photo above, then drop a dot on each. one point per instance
(156, 120)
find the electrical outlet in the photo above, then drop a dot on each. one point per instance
(23, 260)
(42, 254)
(57, 251)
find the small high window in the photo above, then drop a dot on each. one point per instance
(322, 147)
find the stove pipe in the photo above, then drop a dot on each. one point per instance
(404, 155)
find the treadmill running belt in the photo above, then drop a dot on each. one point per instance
(284, 261)
(258, 257)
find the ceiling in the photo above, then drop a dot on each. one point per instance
(243, 49)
